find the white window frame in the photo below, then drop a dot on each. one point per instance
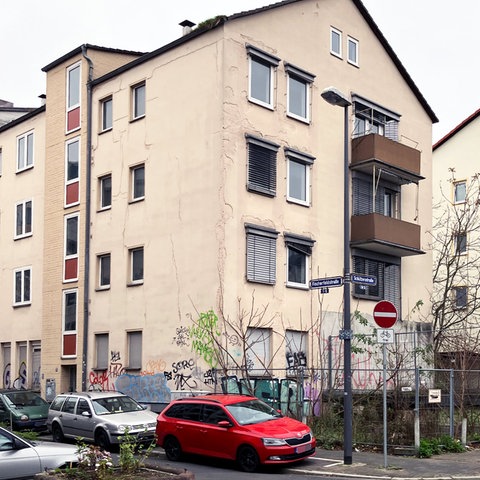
(73, 291)
(296, 350)
(270, 62)
(68, 160)
(258, 351)
(352, 42)
(25, 159)
(135, 349)
(132, 252)
(301, 246)
(133, 179)
(106, 114)
(261, 254)
(101, 351)
(70, 256)
(306, 161)
(24, 276)
(102, 190)
(72, 105)
(333, 33)
(136, 112)
(295, 74)
(24, 208)
(101, 267)
(456, 187)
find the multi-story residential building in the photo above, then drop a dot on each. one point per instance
(208, 175)
(457, 245)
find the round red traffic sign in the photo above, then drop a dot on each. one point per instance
(385, 314)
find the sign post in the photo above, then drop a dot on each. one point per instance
(385, 316)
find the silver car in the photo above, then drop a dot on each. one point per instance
(20, 458)
(104, 418)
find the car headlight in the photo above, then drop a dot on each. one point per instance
(273, 442)
(24, 418)
(122, 428)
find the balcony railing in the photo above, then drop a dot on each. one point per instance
(387, 235)
(376, 151)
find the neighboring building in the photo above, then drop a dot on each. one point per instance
(457, 245)
(208, 174)
(8, 112)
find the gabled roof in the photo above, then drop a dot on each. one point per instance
(455, 130)
(221, 19)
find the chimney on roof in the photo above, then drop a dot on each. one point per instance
(187, 26)
(43, 99)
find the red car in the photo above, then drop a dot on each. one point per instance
(234, 427)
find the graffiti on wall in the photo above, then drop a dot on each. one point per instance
(7, 375)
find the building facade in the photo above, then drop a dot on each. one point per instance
(208, 176)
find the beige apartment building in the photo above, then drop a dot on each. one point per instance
(208, 175)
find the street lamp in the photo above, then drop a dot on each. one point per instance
(338, 99)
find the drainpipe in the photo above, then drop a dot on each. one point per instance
(86, 282)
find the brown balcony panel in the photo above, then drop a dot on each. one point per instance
(377, 149)
(386, 235)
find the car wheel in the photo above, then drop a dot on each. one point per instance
(57, 433)
(172, 448)
(101, 440)
(247, 459)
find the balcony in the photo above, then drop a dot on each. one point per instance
(386, 235)
(376, 152)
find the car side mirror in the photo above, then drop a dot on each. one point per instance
(224, 423)
(86, 414)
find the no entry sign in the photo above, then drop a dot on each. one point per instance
(385, 314)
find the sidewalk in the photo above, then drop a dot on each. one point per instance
(372, 465)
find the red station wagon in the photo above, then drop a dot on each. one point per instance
(235, 427)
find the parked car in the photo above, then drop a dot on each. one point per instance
(103, 418)
(235, 427)
(20, 458)
(23, 410)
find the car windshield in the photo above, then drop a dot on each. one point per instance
(104, 406)
(24, 399)
(252, 411)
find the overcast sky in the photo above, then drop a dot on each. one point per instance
(436, 40)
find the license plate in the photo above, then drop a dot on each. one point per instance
(303, 448)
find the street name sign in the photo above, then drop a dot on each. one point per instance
(363, 279)
(326, 282)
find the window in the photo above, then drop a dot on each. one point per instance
(336, 42)
(298, 176)
(71, 247)
(258, 346)
(22, 286)
(460, 192)
(105, 192)
(70, 310)
(134, 341)
(261, 254)
(460, 243)
(73, 97)
(352, 49)
(296, 350)
(261, 74)
(104, 271)
(138, 101)
(70, 316)
(72, 171)
(136, 265)
(386, 269)
(262, 166)
(385, 202)
(299, 85)
(460, 296)
(137, 175)
(101, 350)
(107, 120)
(24, 151)
(23, 219)
(372, 118)
(298, 250)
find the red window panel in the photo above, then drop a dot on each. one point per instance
(72, 195)
(70, 344)
(71, 268)
(73, 119)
